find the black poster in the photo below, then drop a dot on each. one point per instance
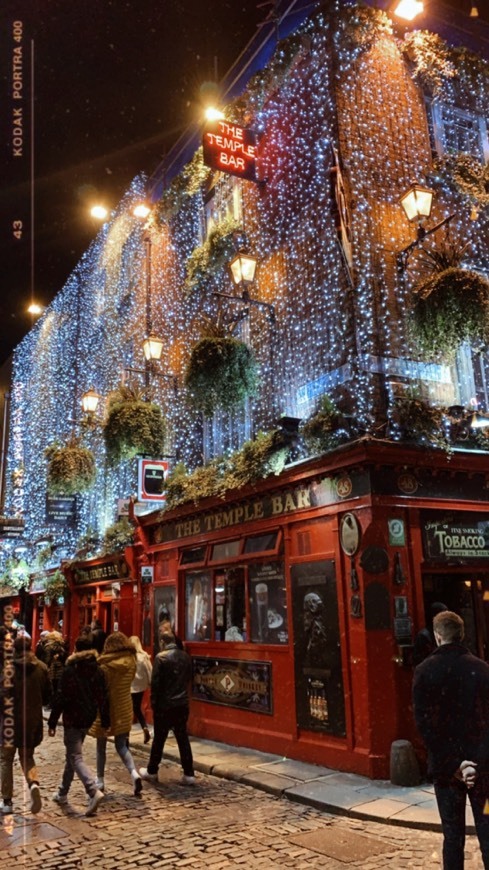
(61, 510)
(268, 603)
(319, 693)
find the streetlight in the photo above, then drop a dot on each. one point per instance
(152, 347)
(90, 401)
(416, 203)
(407, 9)
(99, 212)
(243, 268)
(141, 210)
(35, 309)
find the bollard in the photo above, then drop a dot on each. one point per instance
(404, 767)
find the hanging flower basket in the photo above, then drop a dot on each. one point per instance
(221, 373)
(71, 468)
(450, 307)
(56, 586)
(133, 427)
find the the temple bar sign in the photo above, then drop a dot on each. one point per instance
(230, 148)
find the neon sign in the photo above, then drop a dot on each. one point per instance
(230, 148)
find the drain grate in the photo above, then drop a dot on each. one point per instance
(345, 846)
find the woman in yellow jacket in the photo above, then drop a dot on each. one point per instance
(118, 663)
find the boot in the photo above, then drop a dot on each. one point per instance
(147, 735)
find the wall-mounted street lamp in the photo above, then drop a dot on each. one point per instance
(99, 212)
(416, 203)
(90, 401)
(242, 269)
(152, 347)
(407, 9)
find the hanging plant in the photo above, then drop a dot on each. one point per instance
(71, 468)
(449, 307)
(324, 429)
(132, 427)
(222, 370)
(431, 59)
(467, 175)
(118, 536)
(209, 258)
(417, 420)
(56, 586)
(15, 574)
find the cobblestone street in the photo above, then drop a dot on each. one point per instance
(217, 824)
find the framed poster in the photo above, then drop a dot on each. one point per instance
(319, 695)
(268, 605)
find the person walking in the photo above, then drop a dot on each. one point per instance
(140, 683)
(82, 694)
(118, 663)
(55, 653)
(31, 691)
(172, 672)
(451, 709)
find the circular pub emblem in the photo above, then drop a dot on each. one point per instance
(344, 486)
(407, 483)
(349, 534)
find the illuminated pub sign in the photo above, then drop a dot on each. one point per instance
(230, 148)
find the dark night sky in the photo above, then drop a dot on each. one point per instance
(116, 82)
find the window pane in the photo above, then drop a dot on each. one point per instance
(260, 543)
(269, 623)
(221, 552)
(193, 554)
(197, 606)
(229, 605)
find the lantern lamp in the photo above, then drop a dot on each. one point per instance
(407, 9)
(89, 401)
(152, 347)
(141, 210)
(243, 267)
(417, 202)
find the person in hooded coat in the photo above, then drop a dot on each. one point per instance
(81, 696)
(31, 681)
(118, 663)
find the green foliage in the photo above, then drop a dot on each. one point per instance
(363, 25)
(118, 536)
(257, 459)
(15, 574)
(450, 307)
(214, 254)
(221, 373)
(320, 431)
(132, 426)
(418, 420)
(56, 585)
(186, 184)
(467, 175)
(71, 468)
(431, 58)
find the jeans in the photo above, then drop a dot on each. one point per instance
(73, 739)
(137, 698)
(176, 720)
(120, 741)
(27, 763)
(451, 798)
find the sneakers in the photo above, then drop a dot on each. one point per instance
(149, 777)
(93, 802)
(59, 798)
(99, 784)
(187, 780)
(6, 806)
(36, 802)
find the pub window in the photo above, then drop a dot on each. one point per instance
(455, 131)
(197, 606)
(262, 543)
(268, 603)
(225, 550)
(192, 555)
(230, 605)
(223, 202)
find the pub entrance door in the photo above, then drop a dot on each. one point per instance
(466, 593)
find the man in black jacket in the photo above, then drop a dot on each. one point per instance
(82, 692)
(171, 675)
(451, 708)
